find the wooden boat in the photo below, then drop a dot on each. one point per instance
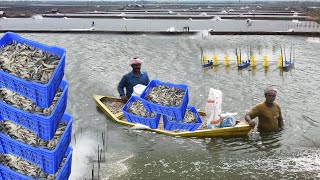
(241, 128)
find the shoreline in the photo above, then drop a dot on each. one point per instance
(89, 31)
(187, 10)
(186, 17)
(117, 13)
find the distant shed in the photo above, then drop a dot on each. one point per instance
(54, 10)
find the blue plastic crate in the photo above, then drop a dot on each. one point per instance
(41, 94)
(64, 173)
(151, 122)
(48, 160)
(172, 125)
(175, 112)
(43, 126)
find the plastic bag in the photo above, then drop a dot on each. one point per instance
(228, 120)
(213, 108)
(138, 90)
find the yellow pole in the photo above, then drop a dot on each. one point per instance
(265, 61)
(205, 59)
(253, 70)
(253, 61)
(215, 60)
(280, 61)
(226, 60)
(238, 60)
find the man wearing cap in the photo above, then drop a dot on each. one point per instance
(128, 81)
(268, 113)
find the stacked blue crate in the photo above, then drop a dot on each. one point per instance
(44, 126)
(152, 122)
(41, 94)
(177, 113)
(177, 125)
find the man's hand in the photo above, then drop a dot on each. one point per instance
(249, 120)
(252, 123)
(124, 98)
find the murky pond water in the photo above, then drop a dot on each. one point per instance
(95, 63)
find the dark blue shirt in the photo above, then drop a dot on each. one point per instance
(128, 81)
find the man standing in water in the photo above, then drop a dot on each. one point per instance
(128, 81)
(268, 113)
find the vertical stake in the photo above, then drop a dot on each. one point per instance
(92, 172)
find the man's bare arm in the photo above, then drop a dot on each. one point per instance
(249, 120)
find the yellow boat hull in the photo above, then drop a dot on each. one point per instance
(241, 129)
